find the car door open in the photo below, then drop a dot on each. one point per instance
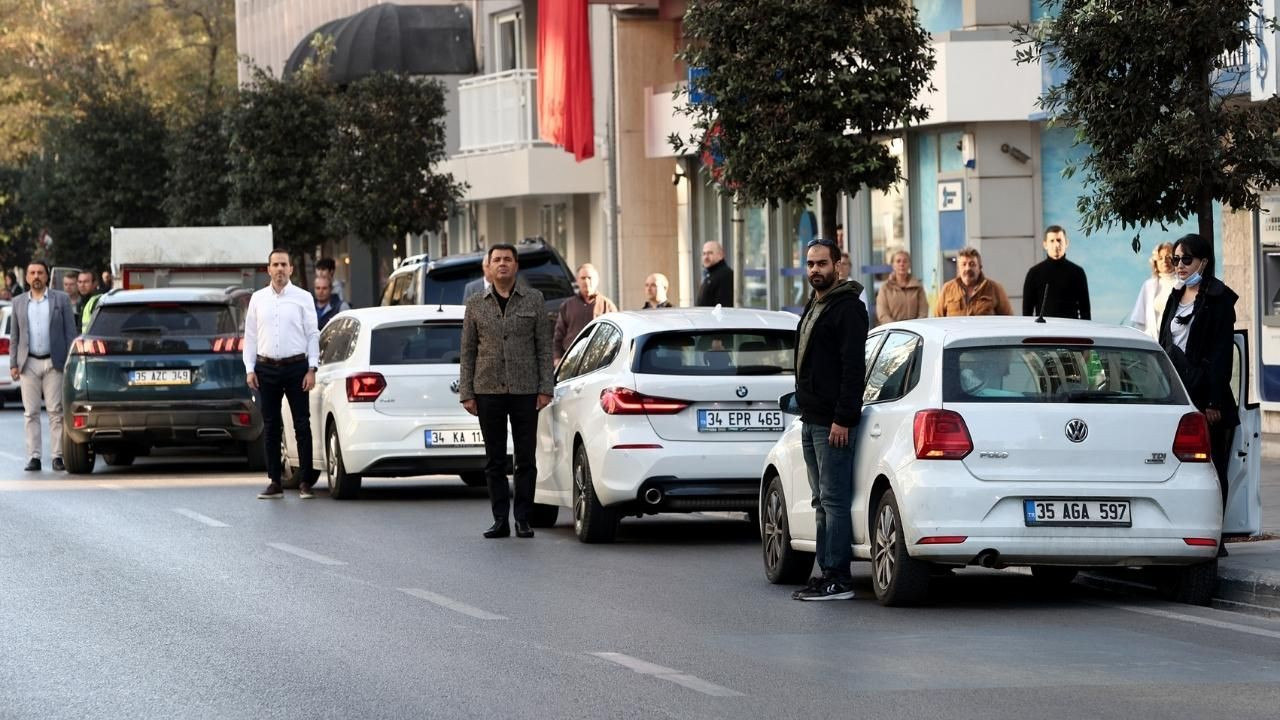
(1243, 512)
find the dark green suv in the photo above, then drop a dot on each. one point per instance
(160, 368)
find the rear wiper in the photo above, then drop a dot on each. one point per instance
(759, 370)
(1087, 395)
(146, 330)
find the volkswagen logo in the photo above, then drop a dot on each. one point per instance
(1076, 430)
(454, 386)
(741, 391)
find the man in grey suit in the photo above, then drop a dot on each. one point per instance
(480, 285)
(42, 331)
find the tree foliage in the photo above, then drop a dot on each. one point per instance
(199, 161)
(799, 94)
(1139, 92)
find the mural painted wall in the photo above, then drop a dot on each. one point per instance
(1115, 273)
(939, 16)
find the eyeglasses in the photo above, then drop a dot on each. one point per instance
(820, 241)
(1182, 259)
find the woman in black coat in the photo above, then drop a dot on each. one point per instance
(1197, 331)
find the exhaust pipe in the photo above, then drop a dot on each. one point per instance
(990, 559)
(653, 496)
(213, 433)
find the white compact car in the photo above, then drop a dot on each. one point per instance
(386, 400)
(1008, 442)
(10, 391)
(662, 411)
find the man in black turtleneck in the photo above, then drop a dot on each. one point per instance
(1056, 287)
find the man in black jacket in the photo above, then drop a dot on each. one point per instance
(830, 375)
(717, 277)
(1056, 287)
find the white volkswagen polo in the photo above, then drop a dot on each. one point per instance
(386, 400)
(1010, 442)
(662, 411)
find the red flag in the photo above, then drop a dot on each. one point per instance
(564, 77)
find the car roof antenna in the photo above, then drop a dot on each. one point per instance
(1043, 299)
(440, 307)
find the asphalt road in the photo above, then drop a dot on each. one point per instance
(166, 590)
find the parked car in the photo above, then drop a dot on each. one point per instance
(159, 367)
(9, 388)
(421, 281)
(662, 412)
(1008, 442)
(386, 400)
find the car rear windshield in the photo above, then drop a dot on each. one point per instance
(734, 352)
(433, 344)
(541, 271)
(184, 319)
(1059, 374)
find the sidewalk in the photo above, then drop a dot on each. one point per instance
(1250, 576)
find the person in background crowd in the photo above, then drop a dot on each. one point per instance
(108, 282)
(506, 374)
(830, 374)
(14, 279)
(901, 296)
(1056, 287)
(577, 311)
(41, 331)
(281, 354)
(655, 292)
(69, 287)
(1154, 294)
(5, 294)
(480, 285)
(971, 292)
(717, 277)
(88, 299)
(327, 303)
(1197, 330)
(328, 267)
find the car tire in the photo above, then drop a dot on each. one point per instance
(342, 484)
(592, 522)
(289, 473)
(256, 454)
(78, 457)
(898, 578)
(544, 516)
(118, 459)
(1192, 584)
(474, 479)
(783, 564)
(1053, 577)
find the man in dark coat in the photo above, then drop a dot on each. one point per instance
(717, 277)
(1056, 287)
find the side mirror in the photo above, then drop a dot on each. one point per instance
(787, 403)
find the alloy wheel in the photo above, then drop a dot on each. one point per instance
(331, 457)
(579, 496)
(886, 545)
(773, 528)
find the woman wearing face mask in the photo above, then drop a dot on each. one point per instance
(1196, 331)
(1149, 308)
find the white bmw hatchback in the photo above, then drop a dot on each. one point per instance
(1007, 442)
(386, 400)
(663, 411)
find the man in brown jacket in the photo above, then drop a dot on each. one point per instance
(577, 311)
(506, 373)
(972, 293)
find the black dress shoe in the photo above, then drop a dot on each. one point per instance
(33, 465)
(499, 529)
(58, 465)
(523, 530)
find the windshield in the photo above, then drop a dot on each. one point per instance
(1059, 374)
(734, 352)
(447, 285)
(168, 319)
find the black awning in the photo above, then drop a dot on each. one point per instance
(413, 39)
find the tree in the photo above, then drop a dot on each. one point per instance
(198, 166)
(279, 132)
(390, 134)
(16, 232)
(1138, 92)
(798, 94)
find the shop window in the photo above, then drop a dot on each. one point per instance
(754, 266)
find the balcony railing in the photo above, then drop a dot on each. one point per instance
(498, 112)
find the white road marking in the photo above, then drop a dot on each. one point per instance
(644, 667)
(305, 554)
(200, 518)
(451, 604)
(1209, 622)
(11, 456)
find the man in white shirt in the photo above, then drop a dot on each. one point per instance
(281, 353)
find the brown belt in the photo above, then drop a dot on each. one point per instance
(264, 360)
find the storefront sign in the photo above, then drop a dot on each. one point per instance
(1269, 219)
(1262, 60)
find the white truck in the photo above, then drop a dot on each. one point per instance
(217, 257)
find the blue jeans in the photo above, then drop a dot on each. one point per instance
(831, 481)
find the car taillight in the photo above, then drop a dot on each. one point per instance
(228, 344)
(1191, 442)
(241, 419)
(79, 421)
(365, 387)
(625, 401)
(941, 435)
(86, 346)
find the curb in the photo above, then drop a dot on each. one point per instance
(1253, 590)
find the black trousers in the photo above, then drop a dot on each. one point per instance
(276, 382)
(1220, 438)
(494, 411)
